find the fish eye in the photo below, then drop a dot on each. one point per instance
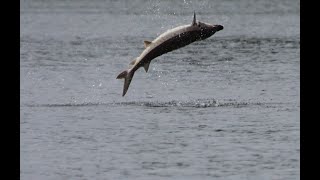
(200, 24)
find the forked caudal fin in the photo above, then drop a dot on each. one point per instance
(127, 75)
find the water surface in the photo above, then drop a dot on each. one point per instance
(224, 108)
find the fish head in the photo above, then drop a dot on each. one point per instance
(206, 30)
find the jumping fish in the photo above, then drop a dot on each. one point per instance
(170, 40)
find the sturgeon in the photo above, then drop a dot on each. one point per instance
(168, 41)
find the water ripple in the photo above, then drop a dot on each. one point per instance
(198, 103)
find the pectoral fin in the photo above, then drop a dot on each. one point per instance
(146, 43)
(194, 22)
(146, 66)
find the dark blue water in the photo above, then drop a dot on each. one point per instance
(224, 108)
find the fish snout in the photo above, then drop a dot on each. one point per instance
(218, 27)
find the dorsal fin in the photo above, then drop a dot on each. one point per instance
(146, 66)
(133, 62)
(194, 22)
(146, 43)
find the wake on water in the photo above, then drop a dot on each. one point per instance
(197, 103)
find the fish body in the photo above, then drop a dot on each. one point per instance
(170, 40)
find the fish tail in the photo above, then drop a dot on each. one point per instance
(127, 75)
